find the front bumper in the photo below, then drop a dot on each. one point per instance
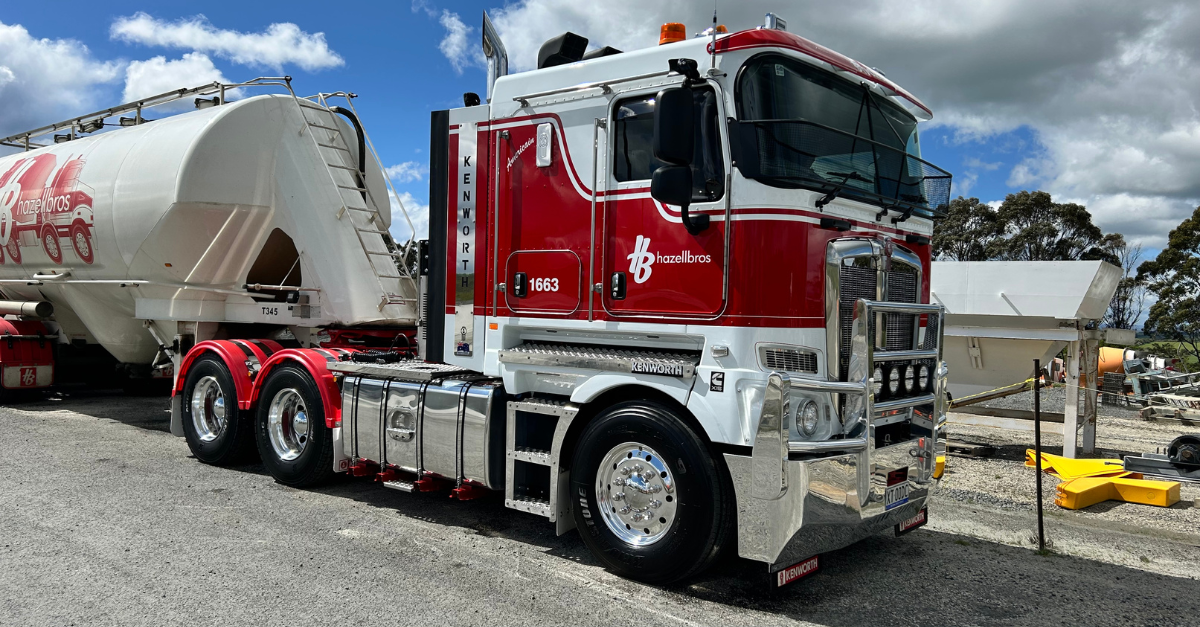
(799, 499)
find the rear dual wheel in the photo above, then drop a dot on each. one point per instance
(294, 442)
(217, 432)
(650, 501)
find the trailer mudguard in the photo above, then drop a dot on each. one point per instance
(314, 360)
(233, 357)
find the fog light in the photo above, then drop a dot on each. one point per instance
(893, 381)
(877, 385)
(910, 379)
(807, 418)
(923, 377)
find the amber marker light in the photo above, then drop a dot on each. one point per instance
(672, 32)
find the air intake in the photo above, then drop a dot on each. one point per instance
(566, 48)
(788, 360)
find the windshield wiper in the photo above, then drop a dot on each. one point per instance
(833, 193)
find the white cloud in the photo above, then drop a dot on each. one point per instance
(282, 43)
(1106, 87)
(407, 172)
(455, 46)
(42, 80)
(418, 213)
(157, 75)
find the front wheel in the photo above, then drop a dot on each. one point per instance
(649, 499)
(81, 241)
(294, 442)
(50, 243)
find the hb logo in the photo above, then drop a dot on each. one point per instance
(641, 260)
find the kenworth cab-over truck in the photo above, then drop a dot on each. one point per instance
(675, 298)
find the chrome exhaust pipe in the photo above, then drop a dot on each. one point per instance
(36, 308)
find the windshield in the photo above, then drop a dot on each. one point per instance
(814, 129)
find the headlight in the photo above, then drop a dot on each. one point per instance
(910, 379)
(923, 377)
(807, 417)
(878, 377)
(893, 380)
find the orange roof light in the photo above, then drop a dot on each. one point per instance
(722, 30)
(672, 32)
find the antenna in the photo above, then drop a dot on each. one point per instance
(712, 66)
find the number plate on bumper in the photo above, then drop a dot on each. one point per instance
(792, 573)
(896, 493)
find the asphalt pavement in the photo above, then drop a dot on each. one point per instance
(105, 519)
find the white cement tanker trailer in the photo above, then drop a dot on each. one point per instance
(268, 210)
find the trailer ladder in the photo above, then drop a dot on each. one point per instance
(358, 206)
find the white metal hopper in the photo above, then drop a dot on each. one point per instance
(1001, 315)
(169, 220)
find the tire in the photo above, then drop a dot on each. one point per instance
(51, 243)
(611, 449)
(14, 249)
(216, 431)
(81, 241)
(294, 442)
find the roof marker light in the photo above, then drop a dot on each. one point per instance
(672, 32)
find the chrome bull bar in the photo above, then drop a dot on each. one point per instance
(830, 487)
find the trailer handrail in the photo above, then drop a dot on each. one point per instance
(22, 140)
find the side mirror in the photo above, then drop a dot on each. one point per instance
(672, 185)
(674, 128)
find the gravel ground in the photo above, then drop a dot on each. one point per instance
(106, 520)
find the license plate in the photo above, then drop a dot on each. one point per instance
(896, 493)
(792, 573)
(919, 520)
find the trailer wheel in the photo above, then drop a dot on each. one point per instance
(213, 426)
(50, 243)
(14, 249)
(650, 501)
(81, 241)
(295, 444)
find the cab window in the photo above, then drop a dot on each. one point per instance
(634, 160)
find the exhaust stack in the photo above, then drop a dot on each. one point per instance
(497, 56)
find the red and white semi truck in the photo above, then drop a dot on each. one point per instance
(675, 298)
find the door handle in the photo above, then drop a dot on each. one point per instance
(520, 287)
(616, 288)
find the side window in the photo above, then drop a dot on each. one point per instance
(633, 158)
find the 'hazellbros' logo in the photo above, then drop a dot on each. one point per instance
(641, 260)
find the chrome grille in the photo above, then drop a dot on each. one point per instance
(855, 282)
(901, 288)
(789, 360)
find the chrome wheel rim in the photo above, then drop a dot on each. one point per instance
(51, 243)
(287, 424)
(636, 494)
(208, 409)
(81, 244)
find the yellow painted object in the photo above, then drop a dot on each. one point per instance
(939, 467)
(1067, 468)
(1085, 491)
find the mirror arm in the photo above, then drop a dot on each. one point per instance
(696, 224)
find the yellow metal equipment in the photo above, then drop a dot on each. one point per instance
(1067, 468)
(1085, 491)
(940, 467)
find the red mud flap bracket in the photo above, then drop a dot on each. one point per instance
(797, 571)
(918, 520)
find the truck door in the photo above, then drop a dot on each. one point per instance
(651, 264)
(542, 238)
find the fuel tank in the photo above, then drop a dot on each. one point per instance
(170, 219)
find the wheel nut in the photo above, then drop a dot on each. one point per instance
(626, 470)
(619, 496)
(625, 510)
(655, 504)
(649, 474)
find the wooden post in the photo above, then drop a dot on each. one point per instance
(1071, 408)
(1091, 356)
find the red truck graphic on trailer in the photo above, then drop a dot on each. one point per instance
(51, 204)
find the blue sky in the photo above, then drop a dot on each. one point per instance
(1091, 100)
